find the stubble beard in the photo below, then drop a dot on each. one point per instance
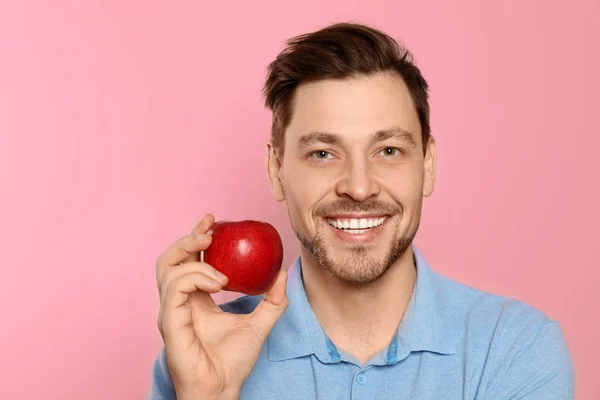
(357, 267)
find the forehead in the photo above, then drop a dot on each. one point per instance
(354, 107)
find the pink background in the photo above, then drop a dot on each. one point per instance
(122, 123)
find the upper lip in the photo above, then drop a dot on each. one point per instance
(355, 216)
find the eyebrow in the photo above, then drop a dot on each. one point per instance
(395, 132)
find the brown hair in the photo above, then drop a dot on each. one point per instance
(338, 51)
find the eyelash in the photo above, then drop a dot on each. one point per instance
(399, 151)
(315, 153)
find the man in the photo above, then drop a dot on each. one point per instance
(361, 315)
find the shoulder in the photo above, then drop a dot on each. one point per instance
(513, 346)
(480, 311)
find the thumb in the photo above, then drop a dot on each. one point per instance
(271, 308)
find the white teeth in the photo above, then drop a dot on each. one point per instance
(357, 231)
(356, 225)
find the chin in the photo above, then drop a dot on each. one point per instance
(355, 264)
(356, 270)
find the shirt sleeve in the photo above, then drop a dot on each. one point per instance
(161, 387)
(542, 368)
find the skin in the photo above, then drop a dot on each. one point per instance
(210, 353)
(358, 285)
(337, 164)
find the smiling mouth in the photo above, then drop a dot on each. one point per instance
(356, 225)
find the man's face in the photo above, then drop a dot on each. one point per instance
(353, 174)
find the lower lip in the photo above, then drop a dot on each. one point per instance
(358, 238)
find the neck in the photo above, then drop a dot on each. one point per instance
(362, 319)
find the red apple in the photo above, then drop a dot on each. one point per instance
(248, 252)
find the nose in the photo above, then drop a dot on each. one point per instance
(358, 183)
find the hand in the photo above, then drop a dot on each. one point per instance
(210, 353)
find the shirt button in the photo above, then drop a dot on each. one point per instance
(361, 378)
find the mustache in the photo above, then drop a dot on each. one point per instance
(349, 206)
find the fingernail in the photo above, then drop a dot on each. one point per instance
(200, 237)
(215, 283)
(220, 275)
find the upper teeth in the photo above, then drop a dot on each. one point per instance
(361, 223)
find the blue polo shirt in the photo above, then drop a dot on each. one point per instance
(454, 342)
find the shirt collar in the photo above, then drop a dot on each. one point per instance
(298, 332)
(427, 324)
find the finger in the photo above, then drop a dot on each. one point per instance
(203, 225)
(272, 307)
(174, 301)
(179, 271)
(178, 292)
(183, 250)
(186, 248)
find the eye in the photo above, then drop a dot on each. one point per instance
(321, 155)
(391, 152)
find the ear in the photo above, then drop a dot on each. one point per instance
(430, 162)
(273, 164)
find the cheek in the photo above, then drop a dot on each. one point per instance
(403, 180)
(405, 187)
(298, 199)
(308, 185)
(303, 195)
